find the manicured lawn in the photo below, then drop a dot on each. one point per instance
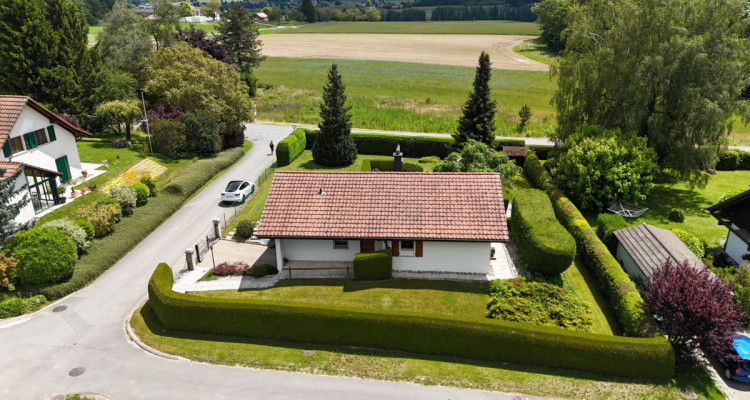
(401, 96)
(426, 27)
(421, 369)
(433, 297)
(93, 31)
(254, 207)
(586, 287)
(699, 222)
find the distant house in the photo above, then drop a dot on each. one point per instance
(433, 222)
(196, 11)
(643, 248)
(261, 16)
(734, 213)
(40, 144)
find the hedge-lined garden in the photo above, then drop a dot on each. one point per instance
(471, 338)
(621, 292)
(291, 147)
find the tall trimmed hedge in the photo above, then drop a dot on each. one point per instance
(291, 147)
(606, 225)
(545, 246)
(383, 144)
(467, 337)
(734, 160)
(376, 265)
(621, 292)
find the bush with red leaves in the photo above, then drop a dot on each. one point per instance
(695, 309)
(230, 268)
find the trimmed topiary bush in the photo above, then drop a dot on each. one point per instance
(245, 229)
(543, 244)
(376, 265)
(44, 255)
(87, 227)
(74, 231)
(691, 241)
(676, 215)
(150, 184)
(291, 147)
(141, 193)
(466, 337)
(606, 225)
(126, 196)
(429, 160)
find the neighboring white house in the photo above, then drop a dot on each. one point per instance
(643, 248)
(433, 222)
(42, 146)
(734, 213)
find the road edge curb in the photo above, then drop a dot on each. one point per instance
(133, 337)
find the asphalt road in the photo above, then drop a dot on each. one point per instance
(39, 353)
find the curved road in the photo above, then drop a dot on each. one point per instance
(38, 352)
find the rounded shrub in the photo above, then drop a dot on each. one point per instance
(8, 272)
(102, 216)
(150, 184)
(259, 271)
(126, 196)
(429, 159)
(87, 227)
(114, 202)
(74, 231)
(44, 255)
(728, 161)
(245, 229)
(543, 244)
(691, 241)
(141, 193)
(676, 215)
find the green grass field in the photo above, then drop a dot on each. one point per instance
(444, 27)
(400, 96)
(535, 50)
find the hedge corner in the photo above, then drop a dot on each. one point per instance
(376, 265)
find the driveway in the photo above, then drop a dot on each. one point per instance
(84, 348)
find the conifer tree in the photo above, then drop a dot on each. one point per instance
(309, 10)
(478, 119)
(239, 34)
(334, 146)
(9, 209)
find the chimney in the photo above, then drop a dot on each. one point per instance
(398, 159)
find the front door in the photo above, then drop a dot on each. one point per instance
(64, 168)
(366, 246)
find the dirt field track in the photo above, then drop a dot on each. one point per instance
(429, 49)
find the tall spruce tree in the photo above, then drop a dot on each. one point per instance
(240, 36)
(334, 146)
(478, 119)
(309, 10)
(10, 209)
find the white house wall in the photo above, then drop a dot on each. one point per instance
(735, 247)
(44, 155)
(27, 211)
(462, 257)
(317, 250)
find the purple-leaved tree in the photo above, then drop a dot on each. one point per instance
(694, 307)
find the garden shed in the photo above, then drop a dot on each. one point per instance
(643, 248)
(432, 222)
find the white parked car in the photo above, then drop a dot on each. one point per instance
(237, 191)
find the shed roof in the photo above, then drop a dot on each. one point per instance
(650, 247)
(385, 205)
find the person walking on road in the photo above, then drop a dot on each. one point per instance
(271, 147)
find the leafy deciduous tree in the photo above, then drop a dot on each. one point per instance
(670, 70)
(478, 119)
(334, 146)
(694, 307)
(162, 22)
(478, 157)
(552, 20)
(113, 84)
(124, 40)
(120, 112)
(197, 38)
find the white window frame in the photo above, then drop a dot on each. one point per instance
(404, 252)
(340, 246)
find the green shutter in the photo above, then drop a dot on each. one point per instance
(7, 152)
(51, 133)
(27, 141)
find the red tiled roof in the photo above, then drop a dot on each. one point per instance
(514, 151)
(10, 168)
(385, 205)
(11, 108)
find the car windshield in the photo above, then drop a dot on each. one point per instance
(232, 186)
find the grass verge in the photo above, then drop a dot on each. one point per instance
(397, 366)
(423, 27)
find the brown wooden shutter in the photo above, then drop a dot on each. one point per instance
(395, 248)
(366, 246)
(418, 248)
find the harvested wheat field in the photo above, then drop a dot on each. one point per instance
(461, 50)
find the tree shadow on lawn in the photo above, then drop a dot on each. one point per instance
(686, 376)
(348, 285)
(662, 199)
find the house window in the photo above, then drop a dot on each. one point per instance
(41, 136)
(340, 244)
(407, 248)
(16, 144)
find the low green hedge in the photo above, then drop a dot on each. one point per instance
(387, 165)
(291, 147)
(383, 144)
(373, 266)
(606, 225)
(469, 338)
(733, 160)
(621, 292)
(498, 144)
(107, 251)
(543, 151)
(381, 165)
(544, 245)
